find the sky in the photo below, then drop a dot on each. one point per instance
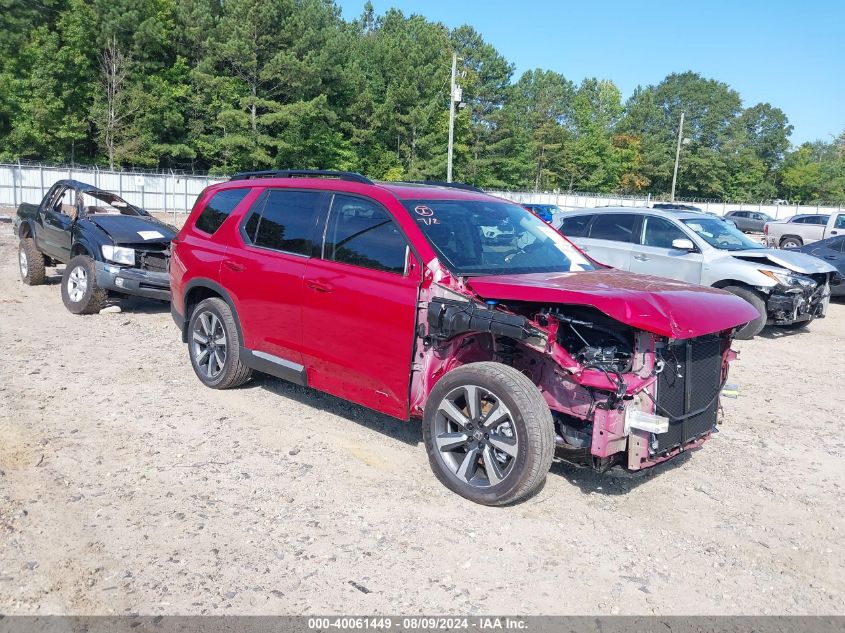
(790, 53)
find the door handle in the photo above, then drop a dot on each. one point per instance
(641, 258)
(834, 232)
(319, 285)
(831, 257)
(234, 266)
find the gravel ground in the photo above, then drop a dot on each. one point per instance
(127, 486)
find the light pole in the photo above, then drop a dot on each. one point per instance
(677, 156)
(454, 97)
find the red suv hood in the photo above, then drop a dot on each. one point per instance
(669, 308)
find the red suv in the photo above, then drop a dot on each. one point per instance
(457, 308)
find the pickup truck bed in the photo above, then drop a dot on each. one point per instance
(803, 229)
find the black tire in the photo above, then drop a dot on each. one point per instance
(80, 292)
(527, 431)
(753, 328)
(791, 242)
(31, 263)
(213, 321)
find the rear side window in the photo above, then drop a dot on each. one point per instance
(575, 226)
(284, 220)
(218, 209)
(617, 227)
(360, 232)
(840, 221)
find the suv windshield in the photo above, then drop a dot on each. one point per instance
(720, 234)
(493, 238)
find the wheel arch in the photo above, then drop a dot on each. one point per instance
(25, 230)
(80, 247)
(783, 238)
(199, 289)
(724, 283)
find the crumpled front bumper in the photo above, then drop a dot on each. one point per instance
(133, 281)
(788, 306)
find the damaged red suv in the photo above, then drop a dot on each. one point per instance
(456, 308)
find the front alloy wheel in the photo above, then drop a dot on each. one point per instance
(77, 284)
(488, 433)
(80, 292)
(475, 436)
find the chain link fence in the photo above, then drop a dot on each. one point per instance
(175, 192)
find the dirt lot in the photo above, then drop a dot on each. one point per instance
(126, 486)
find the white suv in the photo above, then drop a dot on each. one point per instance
(786, 287)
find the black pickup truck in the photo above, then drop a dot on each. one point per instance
(106, 243)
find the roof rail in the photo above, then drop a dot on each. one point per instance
(303, 173)
(443, 183)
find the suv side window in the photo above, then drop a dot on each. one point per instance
(284, 220)
(839, 223)
(218, 209)
(361, 233)
(575, 226)
(660, 233)
(617, 227)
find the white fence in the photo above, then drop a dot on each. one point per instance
(171, 193)
(176, 193)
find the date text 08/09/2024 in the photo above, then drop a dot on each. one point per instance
(480, 623)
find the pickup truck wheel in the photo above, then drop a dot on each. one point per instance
(488, 433)
(31, 263)
(214, 346)
(753, 328)
(791, 242)
(80, 292)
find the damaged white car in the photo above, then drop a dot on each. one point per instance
(788, 289)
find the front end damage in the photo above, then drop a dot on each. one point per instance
(147, 275)
(619, 395)
(804, 298)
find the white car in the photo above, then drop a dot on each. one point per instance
(787, 288)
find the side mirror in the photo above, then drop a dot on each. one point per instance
(683, 245)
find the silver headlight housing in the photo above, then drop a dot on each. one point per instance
(790, 280)
(119, 254)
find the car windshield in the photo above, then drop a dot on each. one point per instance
(106, 203)
(493, 238)
(720, 234)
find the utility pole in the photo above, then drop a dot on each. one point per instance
(451, 119)
(677, 155)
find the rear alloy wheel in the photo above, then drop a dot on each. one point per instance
(80, 292)
(31, 263)
(214, 346)
(489, 433)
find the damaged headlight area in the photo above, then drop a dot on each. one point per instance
(797, 298)
(790, 280)
(119, 254)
